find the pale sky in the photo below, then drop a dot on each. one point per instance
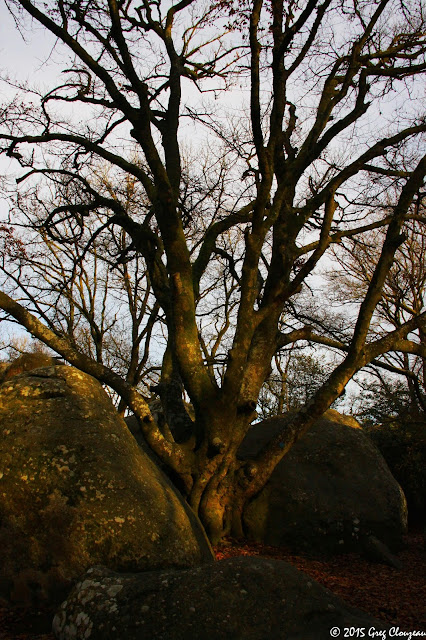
(26, 61)
(16, 56)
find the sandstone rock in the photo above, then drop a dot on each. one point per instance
(240, 599)
(76, 490)
(330, 493)
(26, 362)
(133, 425)
(342, 418)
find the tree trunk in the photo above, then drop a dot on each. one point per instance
(223, 484)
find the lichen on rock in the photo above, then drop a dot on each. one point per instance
(77, 491)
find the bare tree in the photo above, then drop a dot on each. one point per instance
(76, 288)
(403, 298)
(306, 166)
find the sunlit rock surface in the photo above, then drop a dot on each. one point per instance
(76, 490)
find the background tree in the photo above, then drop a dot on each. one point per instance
(295, 378)
(304, 169)
(85, 289)
(403, 299)
(391, 405)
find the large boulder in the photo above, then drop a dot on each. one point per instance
(76, 490)
(240, 598)
(332, 492)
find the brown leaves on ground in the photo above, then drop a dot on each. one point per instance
(397, 596)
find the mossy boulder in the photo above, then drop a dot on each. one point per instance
(76, 490)
(332, 492)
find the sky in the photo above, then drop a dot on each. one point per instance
(27, 61)
(24, 60)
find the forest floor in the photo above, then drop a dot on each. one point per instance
(396, 596)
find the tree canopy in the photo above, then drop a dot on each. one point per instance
(229, 147)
